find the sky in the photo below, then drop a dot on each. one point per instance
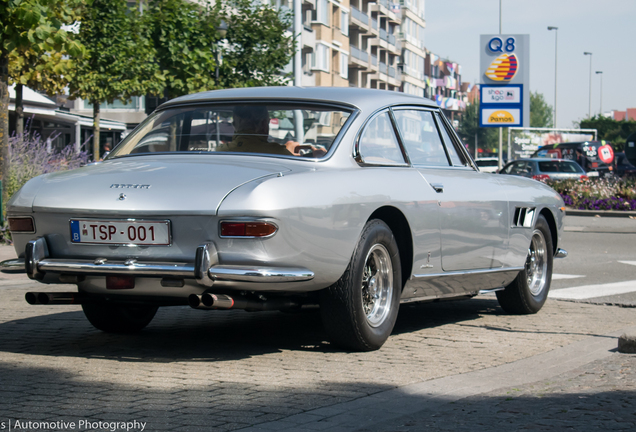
(603, 27)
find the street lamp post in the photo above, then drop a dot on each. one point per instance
(589, 112)
(601, 74)
(556, 32)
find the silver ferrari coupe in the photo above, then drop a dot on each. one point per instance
(284, 198)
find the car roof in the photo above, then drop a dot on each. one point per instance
(365, 99)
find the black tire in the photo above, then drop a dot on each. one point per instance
(359, 311)
(119, 318)
(529, 291)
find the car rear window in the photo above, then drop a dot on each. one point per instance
(274, 129)
(486, 163)
(559, 167)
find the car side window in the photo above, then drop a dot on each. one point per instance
(518, 168)
(378, 144)
(421, 138)
(450, 146)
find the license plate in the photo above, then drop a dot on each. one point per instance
(121, 232)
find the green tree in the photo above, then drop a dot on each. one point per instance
(183, 34)
(259, 45)
(540, 111)
(45, 71)
(469, 130)
(611, 130)
(34, 25)
(119, 61)
(256, 49)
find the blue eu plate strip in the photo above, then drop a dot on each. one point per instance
(75, 231)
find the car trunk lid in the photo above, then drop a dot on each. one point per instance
(169, 184)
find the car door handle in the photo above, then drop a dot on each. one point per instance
(439, 188)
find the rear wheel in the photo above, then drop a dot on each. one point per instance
(359, 311)
(119, 318)
(529, 291)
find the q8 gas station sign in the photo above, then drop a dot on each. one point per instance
(505, 76)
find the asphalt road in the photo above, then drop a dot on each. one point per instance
(601, 251)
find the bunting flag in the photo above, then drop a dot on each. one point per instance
(451, 68)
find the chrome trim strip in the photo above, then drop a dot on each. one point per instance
(561, 253)
(237, 273)
(149, 269)
(469, 272)
(15, 265)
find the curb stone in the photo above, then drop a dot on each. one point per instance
(627, 343)
(601, 213)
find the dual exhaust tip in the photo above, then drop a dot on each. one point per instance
(41, 298)
(210, 301)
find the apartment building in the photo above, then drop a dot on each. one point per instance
(385, 47)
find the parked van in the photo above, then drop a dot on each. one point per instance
(584, 153)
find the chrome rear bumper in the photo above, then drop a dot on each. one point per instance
(206, 269)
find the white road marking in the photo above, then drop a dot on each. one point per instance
(557, 276)
(628, 262)
(591, 291)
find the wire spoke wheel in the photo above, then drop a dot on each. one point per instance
(377, 286)
(536, 263)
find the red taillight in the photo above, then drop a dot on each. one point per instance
(120, 282)
(584, 177)
(247, 229)
(541, 177)
(21, 224)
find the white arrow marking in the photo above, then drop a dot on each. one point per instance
(591, 291)
(628, 262)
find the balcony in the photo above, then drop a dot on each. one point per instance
(374, 23)
(359, 54)
(383, 35)
(374, 60)
(391, 39)
(383, 68)
(360, 16)
(391, 71)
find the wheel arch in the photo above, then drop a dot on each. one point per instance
(401, 229)
(554, 233)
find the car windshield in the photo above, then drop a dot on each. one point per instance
(560, 167)
(273, 129)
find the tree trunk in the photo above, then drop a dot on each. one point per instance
(4, 126)
(95, 131)
(19, 110)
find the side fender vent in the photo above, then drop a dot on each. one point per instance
(524, 217)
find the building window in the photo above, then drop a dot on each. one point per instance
(320, 59)
(344, 22)
(322, 12)
(344, 65)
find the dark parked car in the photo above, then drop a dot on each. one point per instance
(623, 166)
(545, 168)
(585, 153)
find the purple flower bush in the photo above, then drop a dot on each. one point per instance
(31, 156)
(597, 194)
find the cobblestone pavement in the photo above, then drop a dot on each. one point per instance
(225, 370)
(600, 396)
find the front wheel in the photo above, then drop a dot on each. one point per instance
(529, 291)
(359, 311)
(119, 318)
